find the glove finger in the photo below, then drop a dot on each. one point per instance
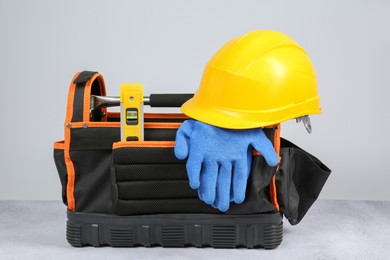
(222, 199)
(240, 179)
(183, 135)
(208, 181)
(193, 166)
(263, 145)
(200, 195)
(181, 146)
(248, 166)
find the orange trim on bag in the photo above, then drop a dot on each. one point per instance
(113, 115)
(68, 162)
(273, 191)
(162, 125)
(71, 173)
(168, 115)
(157, 125)
(94, 124)
(59, 145)
(159, 144)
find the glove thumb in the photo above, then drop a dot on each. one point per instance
(182, 140)
(263, 145)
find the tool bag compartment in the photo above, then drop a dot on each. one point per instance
(137, 193)
(150, 179)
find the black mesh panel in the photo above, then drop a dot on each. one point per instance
(145, 155)
(163, 189)
(134, 172)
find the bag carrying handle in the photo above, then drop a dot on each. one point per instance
(168, 100)
(83, 85)
(87, 100)
(154, 100)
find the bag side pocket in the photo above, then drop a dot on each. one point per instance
(59, 160)
(299, 181)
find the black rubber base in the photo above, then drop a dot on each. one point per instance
(175, 230)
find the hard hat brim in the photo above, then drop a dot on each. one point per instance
(231, 119)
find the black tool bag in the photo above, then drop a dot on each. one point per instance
(137, 193)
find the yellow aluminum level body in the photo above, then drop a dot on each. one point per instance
(131, 99)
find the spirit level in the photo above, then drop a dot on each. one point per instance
(132, 119)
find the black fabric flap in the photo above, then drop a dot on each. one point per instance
(299, 181)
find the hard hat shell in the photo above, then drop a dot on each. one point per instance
(259, 79)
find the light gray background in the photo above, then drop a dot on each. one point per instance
(165, 45)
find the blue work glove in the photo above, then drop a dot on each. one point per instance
(219, 160)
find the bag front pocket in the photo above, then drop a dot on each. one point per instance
(150, 180)
(299, 181)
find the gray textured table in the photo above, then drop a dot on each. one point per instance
(330, 230)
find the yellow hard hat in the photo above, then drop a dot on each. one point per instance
(259, 79)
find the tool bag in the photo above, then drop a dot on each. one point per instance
(137, 193)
